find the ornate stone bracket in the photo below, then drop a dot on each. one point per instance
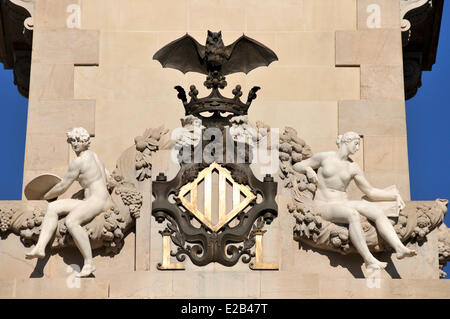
(420, 25)
(407, 6)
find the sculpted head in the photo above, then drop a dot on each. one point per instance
(214, 37)
(349, 140)
(79, 138)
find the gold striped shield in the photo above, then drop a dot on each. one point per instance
(205, 217)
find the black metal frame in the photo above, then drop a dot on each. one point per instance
(211, 246)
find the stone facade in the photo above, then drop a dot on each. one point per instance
(335, 73)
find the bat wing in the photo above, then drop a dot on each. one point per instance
(184, 54)
(246, 54)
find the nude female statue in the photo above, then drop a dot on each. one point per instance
(90, 172)
(335, 172)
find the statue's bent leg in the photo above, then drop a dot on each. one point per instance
(81, 214)
(54, 210)
(340, 213)
(384, 227)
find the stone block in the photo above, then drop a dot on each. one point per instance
(320, 262)
(353, 288)
(274, 15)
(329, 15)
(426, 288)
(165, 37)
(384, 118)
(287, 223)
(134, 15)
(399, 289)
(119, 83)
(427, 258)
(377, 46)
(69, 260)
(216, 15)
(385, 153)
(143, 15)
(126, 48)
(84, 77)
(143, 228)
(316, 120)
(98, 15)
(383, 179)
(56, 117)
(271, 242)
(223, 284)
(305, 48)
(284, 284)
(323, 144)
(7, 289)
(51, 82)
(308, 83)
(13, 263)
(60, 288)
(389, 14)
(240, 266)
(117, 118)
(66, 46)
(46, 152)
(382, 82)
(156, 242)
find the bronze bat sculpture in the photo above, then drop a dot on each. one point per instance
(187, 55)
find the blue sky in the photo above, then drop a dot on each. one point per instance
(428, 125)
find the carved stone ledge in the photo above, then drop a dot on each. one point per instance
(16, 35)
(406, 6)
(29, 6)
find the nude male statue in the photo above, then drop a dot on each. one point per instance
(335, 171)
(90, 172)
